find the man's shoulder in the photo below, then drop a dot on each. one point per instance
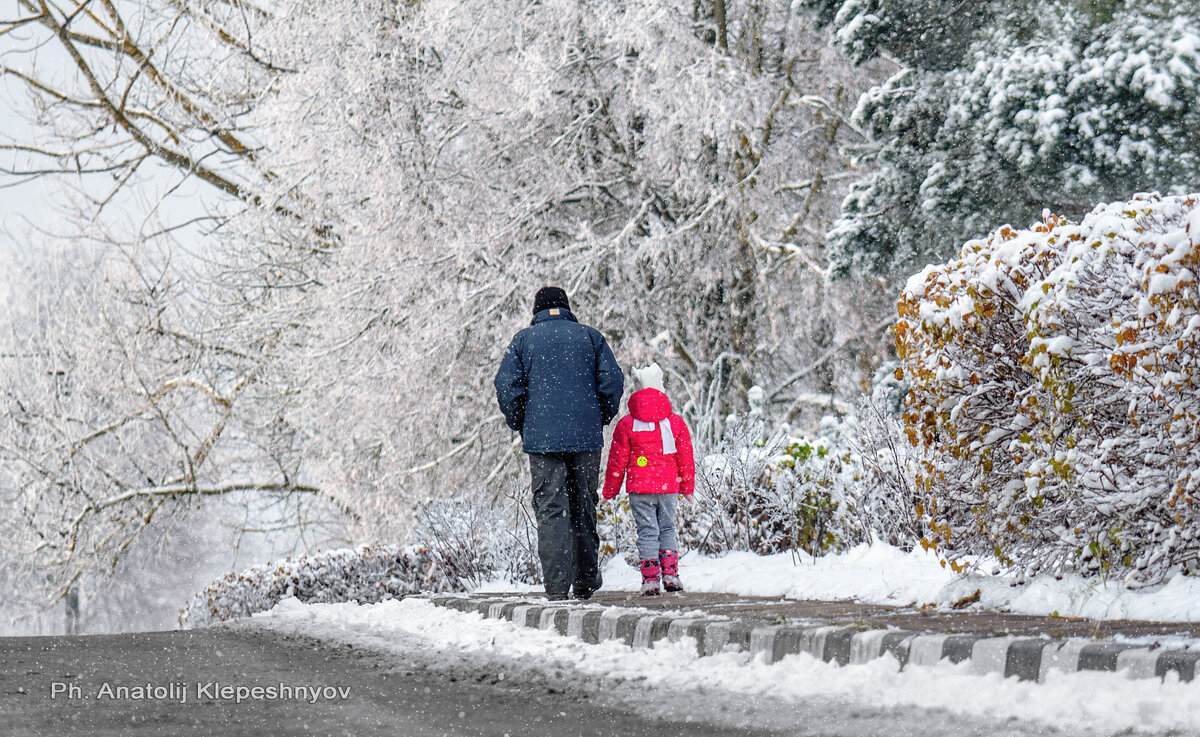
(596, 336)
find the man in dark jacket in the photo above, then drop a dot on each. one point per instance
(558, 385)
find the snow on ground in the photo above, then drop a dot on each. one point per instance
(882, 574)
(1101, 703)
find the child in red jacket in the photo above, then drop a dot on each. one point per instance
(652, 446)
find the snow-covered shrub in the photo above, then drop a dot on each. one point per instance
(817, 495)
(881, 497)
(768, 497)
(472, 539)
(367, 574)
(1053, 392)
(457, 544)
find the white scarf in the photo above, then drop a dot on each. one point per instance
(668, 439)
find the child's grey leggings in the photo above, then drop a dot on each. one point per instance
(654, 515)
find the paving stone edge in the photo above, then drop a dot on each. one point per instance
(1026, 658)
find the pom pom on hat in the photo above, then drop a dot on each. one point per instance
(650, 377)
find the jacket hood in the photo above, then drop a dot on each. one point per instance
(649, 405)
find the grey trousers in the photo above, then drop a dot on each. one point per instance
(564, 502)
(654, 515)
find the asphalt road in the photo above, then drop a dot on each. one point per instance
(190, 684)
(64, 686)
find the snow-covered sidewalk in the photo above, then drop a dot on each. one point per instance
(882, 574)
(1097, 703)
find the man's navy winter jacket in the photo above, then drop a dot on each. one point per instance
(559, 384)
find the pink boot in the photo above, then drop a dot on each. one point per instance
(650, 571)
(670, 570)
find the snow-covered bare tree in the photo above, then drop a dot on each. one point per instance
(123, 87)
(132, 385)
(395, 182)
(111, 421)
(676, 187)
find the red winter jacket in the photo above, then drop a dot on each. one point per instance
(640, 453)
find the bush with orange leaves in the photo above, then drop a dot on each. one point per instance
(1054, 393)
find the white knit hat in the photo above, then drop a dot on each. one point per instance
(650, 377)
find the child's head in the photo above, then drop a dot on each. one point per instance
(650, 377)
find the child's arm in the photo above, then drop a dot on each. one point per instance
(684, 459)
(618, 458)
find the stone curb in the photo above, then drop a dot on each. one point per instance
(1027, 658)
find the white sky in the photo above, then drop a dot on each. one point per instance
(42, 203)
(26, 202)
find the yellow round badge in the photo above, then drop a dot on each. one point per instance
(641, 461)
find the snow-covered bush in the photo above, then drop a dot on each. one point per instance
(457, 544)
(472, 538)
(1054, 392)
(767, 497)
(367, 574)
(818, 495)
(882, 497)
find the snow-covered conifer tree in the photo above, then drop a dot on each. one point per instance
(1001, 109)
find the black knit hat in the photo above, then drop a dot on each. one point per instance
(548, 297)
